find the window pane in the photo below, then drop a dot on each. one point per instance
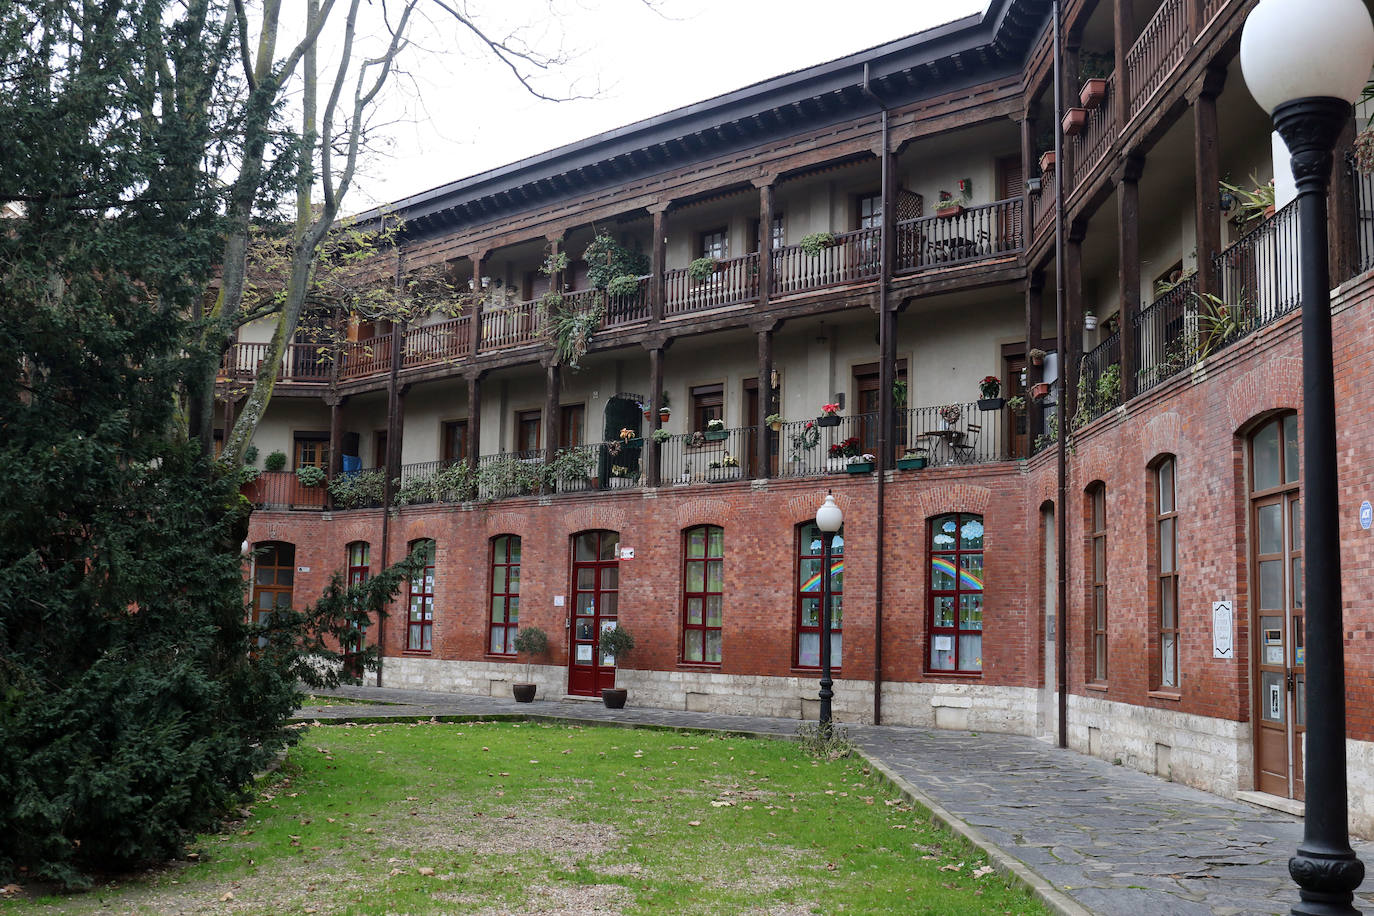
(971, 612)
(836, 645)
(610, 578)
(713, 610)
(808, 649)
(1099, 558)
(586, 578)
(1099, 508)
(498, 579)
(585, 604)
(836, 612)
(1166, 488)
(944, 611)
(715, 575)
(514, 586)
(942, 653)
(692, 646)
(836, 574)
(1272, 699)
(285, 575)
(1295, 521)
(610, 604)
(1266, 457)
(1297, 582)
(942, 574)
(1166, 604)
(716, 547)
(696, 576)
(971, 652)
(266, 600)
(810, 575)
(694, 615)
(585, 547)
(971, 576)
(515, 550)
(1271, 585)
(609, 542)
(971, 535)
(811, 612)
(498, 640)
(512, 610)
(1290, 448)
(1269, 520)
(1168, 657)
(266, 574)
(696, 543)
(498, 610)
(1166, 546)
(713, 646)
(943, 532)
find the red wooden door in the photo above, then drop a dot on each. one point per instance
(595, 606)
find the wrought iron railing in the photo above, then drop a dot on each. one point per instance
(971, 234)
(1364, 220)
(1156, 52)
(1099, 380)
(1161, 335)
(705, 457)
(1257, 279)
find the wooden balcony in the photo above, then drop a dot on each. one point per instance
(302, 362)
(1155, 54)
(1092, 145)
(974, 234)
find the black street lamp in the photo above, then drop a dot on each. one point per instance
(829, 518)
(1306, 62)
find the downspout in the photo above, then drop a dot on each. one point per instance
(1061, 397)
(388, 488)
(885, 371)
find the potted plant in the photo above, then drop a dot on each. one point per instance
(571, 469)
(830, 415)
(990, 387)
(1089, 320)
(816, 242)
(948, 205)
(529, 642)
(842, 451)
(660, 436)
(1016, 404)
(621, 477)
(275, 461)
(716, 431)
(774, 421)
(950, 414)
(912, 459)
(1092, 72)
(727, 468)
(1037, 356)
(310, 476)
(615, 644)
(899, 393)
(1075, 120)
(702, 269)
(1040, 391)
(860, 464)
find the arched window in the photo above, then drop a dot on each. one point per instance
(703, 584)
(505, 594)
(420, 628)
(955, 617)
(1166, 571)
(810, 560)
(1097, 564)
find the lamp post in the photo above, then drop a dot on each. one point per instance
(829, 518)
(1306, 62)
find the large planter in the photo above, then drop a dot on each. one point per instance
(859, 467)
(1093, 93)
(1047, 162)
(947, 212)
(991, 403)
(716, 435)
(911, 464)
(827, 420)
(614, 697)
(1075, 121)
(524, 693)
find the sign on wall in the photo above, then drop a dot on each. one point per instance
(1223, 622)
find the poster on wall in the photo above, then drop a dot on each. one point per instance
(584, 655)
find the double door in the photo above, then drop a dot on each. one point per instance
(595, 607)
(1281, 695)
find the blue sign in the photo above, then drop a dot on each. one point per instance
(1366, 515)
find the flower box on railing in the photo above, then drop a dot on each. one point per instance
(1047, 161)
(1093, 93)
(914, 463)
(950, 211)
(1075, 120)
(716, 435)
(859, 467)
(991, 403)
(827, 420)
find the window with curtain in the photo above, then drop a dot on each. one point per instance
(955, 595)
(420, 628)
(505, 594)
(702, 593)
(810, 564)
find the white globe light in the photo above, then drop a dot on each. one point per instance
(829, 518)
(1297, 49)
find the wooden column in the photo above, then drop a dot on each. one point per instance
(1035, 333)
(650, 452)
(1123, 35)
(552, 382)
(1073, 43)
(475, 324)
(1029, 167)
(1207, 176)
(764, 331)
(1342, 211)
(1128, 265)
(1073, 317)
(765, 186)
(395, 430)
(335, 403)
(474, 417)
(658, 261)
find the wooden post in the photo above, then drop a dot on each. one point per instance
(335, 403)
(475, 324)
(1207, 176)
(550, 424)
(474, 418)
(659, 261)
(1128, 265)
(655, 399)
(1035, 333)
(765, 186)
(1073, 319)
(762, 451)
(1343, 214)
(1123, 35)
(1028, 167)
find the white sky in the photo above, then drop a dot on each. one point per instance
(456, 112)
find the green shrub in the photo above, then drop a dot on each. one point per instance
(275, 461)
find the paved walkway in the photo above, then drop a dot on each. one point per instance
(1093, 838)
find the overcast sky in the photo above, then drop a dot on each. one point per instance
(456, 112)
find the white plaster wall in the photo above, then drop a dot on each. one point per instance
(427, 407)
(948, 352)
(285, 417)
(257, 331)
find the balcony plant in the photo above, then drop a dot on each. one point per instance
(913, 458)
(899, 391)
(622, 476)
(608, 261)
(950, 414)
(716, 431)
(702, 269)
(816, 243)
(660, 436)
(1092, 76)
(615, 644)
(570, 469)
(1075, 120)
(949, 205)
(310, 476)
(805, 440)
(830, 415)
(357, 490)
(568, 327)
(989, 389)
(727, 468)
(506, 476)
(1255, 203)
(846, 448)
(623, 287)
(1040, 391)
(250, 455)
(530, 642)
(454, 483)
(860, 464)
(1016, 404)
(1037, 356)
(275, 461)
(774, 421)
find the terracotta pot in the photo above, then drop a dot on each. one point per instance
(1075, 120)
(614, 697)
(1047, 161)
(947, 212)
(1040, 390)
(1094, 92)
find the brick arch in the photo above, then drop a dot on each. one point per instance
(695, 512)
(595, 518)
(359, 531)
(802, 507)
(1276, 385)
(955, 497)
(1162, 435)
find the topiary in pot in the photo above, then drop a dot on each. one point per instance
(615, 643)
(529, 642)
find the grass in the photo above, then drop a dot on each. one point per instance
(491, 818)
(331, 700)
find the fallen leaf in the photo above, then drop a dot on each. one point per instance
(694, 823)
(953, 866)
(426, 871)
(226, 897)
(982, 870)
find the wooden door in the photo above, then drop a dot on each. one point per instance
(1011, 184)
(866, 406)
(1016, 424)
(751, 418)
(595, 607)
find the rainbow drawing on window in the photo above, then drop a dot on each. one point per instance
(813, 584)
(967, 580)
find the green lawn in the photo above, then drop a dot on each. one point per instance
(526, 818)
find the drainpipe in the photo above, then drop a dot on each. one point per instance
(885, 372)
(388, 489)
(1061, 398)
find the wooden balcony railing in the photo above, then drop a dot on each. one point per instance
(1156, 52)
(436, 343)
(853, 258)
(513, 325)
(1088, 148)
(366, 357)
(302, 362)
(975, 234)
(736, 280)
(1042, 206)
(628, 309)
(283, 490)
(1210, 10)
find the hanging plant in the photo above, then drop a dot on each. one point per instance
(608, 260)
(623, 286)
(702, 269)
(568, 328)
(555, 263)
(816, 242)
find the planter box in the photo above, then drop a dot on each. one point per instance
(947, 212)
(571, 486)
(1040, 390)
(991, 403)
(724, 475)
(827, 421)
(1093, 93)
(1075, 120)
(861, 467)
(1047, 162)
(911, 464)
(716, 435)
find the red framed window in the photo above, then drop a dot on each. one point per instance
(1166, 571)
(810, 560)
(505, 594)
(703, 579)
(359, 562)
(359, 571)
(956, 593)
(420, 626)
(1097, 561)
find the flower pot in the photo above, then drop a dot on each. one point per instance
(859, 467)
(1040, 390)
(724, 475)
(524, 693)
(947, 212)
(1037, 360)
(614, 697)
(716, 435)
(828, 420)
(1047, 161)
(775, 427)
(911, 464)
(665, 414)
(991, 403)
(1075, 120)
(1093, 93)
